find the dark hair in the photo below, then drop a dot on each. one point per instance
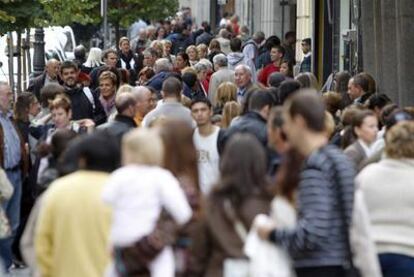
(60, 141)
(378, 101)
(259, 100)
(287, 88)
(243, 173)
(397, 116)
(311, 107)
(272, 41)
(288, 174)
(308, 41)
(276, 120)
(49, 92)
(235, 44)
(22, 106)
(99, 151)
(106, 52)
(386, 112)
(189, 78)
(290, 34)
(172, 87)
(359, 118)
(185, 57)
(372, 86)
(361, 81)
(275, 79)
(341, 86)
(280, 49)
(201, 100)
(66, 65)
(290, 67)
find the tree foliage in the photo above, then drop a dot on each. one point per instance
(16, 15)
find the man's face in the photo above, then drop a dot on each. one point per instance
(353, 90)
(6, 95)
(201, 113)
(275, 55)
(111, 60)
(145, 104)
(305, 47)
(241, 77)
(70, 76)
(52, 69)
(148, 60)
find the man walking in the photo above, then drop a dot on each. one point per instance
(205, 141)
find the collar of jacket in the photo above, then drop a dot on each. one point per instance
(255, 115)
(125, 119)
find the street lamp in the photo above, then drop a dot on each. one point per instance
(39, 52)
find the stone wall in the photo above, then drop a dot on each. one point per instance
(388, 46)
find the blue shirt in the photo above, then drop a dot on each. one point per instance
(240, 95)
(11, 142)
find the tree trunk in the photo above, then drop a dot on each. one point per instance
(117, 35)
(29, 58)
(19, 62)
(11, 59)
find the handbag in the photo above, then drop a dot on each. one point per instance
(236, 267)
(134, 260)
(349, 268)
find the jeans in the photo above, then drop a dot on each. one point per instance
(12, 209)
(396, 265)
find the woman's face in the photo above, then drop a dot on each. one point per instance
(179, 62)
(34, 108)
(167, 49)
(192, 54)
(368, 131)
(161, 33)
(125, 46)
(202, 53)
(107, 88)
(61, 118)
(284, 69)
(202, 75)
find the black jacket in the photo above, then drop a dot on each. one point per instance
(82, 108)
(252, 123)
(117, 128)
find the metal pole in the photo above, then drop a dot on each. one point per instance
(39, 52)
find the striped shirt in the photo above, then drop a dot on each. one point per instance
(318, 239)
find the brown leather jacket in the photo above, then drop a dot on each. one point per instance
(24, 161)
(215, 239)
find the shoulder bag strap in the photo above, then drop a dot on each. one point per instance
(88, 93)
(237, 224)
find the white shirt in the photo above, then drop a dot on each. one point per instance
(208, 159)
(137, 194)
(367, 148)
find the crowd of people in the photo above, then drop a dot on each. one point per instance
(161, 158)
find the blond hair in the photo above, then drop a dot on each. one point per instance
(143, 146)
(399, 141)
(231, 110)
(226, 92)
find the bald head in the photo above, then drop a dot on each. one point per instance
(125, 104)
(5, 94)
(143, 97)
(52, 68)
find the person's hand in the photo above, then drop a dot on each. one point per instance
(87, 123)
(264, 231)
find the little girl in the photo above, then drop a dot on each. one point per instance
(139, 190)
